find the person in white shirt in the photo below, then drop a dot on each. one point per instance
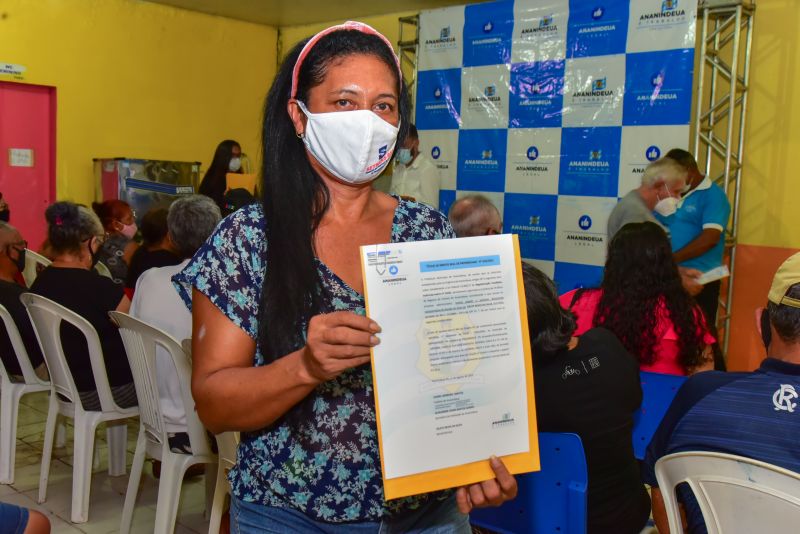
(415, 176)
(190, 221)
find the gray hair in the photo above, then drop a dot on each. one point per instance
(191, 219)
(666, 169)
(69, 225)
(472, 215)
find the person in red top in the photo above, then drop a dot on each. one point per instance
(643, 302)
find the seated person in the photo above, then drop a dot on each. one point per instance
(191, 220)
(746, 414)
(475, 215)
(601, 380)
(12, 263)
(75, 235)
(642, 301)
(18, 520)
(119, 223)
(156, 249)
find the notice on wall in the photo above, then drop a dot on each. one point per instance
(12, 70)
(20, 157)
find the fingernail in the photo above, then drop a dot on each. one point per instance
(495, 461)
(374, 340)
(374, 327)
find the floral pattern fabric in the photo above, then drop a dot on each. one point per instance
(322, 458)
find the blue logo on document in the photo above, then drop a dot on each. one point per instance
(393, 270)
(598, 12)
(585, 222)
(669, 5)
(533, 153)
(436, 152)
(652, 153)
(488, 27)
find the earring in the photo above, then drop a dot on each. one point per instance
(299, 135)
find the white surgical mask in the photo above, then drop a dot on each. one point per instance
(667, 206)
(235, 164)
(354, 146)
(404, 156)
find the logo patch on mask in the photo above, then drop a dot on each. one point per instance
(382, 151)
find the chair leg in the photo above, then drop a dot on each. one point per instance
(220, 491)
(82, 467)
(133, 482)
(117, 438)
(61, 434)
(173, 467)
(9, 408)
(210, 479)
(47, 453)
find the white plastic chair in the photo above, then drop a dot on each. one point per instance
(227, 443)
(735, 494)
(10, 395)
(33, 262)
(46, 317)
(140, 341)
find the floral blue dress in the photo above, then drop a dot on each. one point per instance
(324, 459)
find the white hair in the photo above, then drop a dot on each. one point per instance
(666, 169)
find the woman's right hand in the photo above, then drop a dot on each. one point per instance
(336, 342)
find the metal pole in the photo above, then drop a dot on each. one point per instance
(698, 121)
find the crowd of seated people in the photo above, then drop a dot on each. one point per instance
(156, 250)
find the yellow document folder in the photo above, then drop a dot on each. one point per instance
(235, 180)
(478, 471)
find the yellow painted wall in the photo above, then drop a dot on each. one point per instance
(771, 182)
(138, 79)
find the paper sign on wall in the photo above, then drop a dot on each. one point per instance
(20, 157)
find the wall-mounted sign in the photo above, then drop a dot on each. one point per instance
(10, 69)
(20, 157)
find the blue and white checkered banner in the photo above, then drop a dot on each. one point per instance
(552, 109)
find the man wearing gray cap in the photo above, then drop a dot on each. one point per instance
(756, 415)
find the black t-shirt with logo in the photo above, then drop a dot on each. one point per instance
(593, 390)
(9, 298)
(91, 296)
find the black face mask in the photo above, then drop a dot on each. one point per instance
(766, 329)
(95, 254)
(5, 215)
(20, 261)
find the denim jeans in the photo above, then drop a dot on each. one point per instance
(435, 517)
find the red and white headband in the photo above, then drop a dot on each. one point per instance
(349, 25)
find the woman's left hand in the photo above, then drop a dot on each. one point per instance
(490, 492)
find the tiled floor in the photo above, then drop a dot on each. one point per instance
(107, 493)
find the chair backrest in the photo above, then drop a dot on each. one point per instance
(20, 352)
(658, 390)
(141, 341)
(46, 317)
(550, 500)
(735, 494)
(33, 262)
(227, 444)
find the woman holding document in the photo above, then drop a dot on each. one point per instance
(281, 342)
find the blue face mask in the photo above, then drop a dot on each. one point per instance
(404, 156)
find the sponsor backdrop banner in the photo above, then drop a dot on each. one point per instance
(552, 109)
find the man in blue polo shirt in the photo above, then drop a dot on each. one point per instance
(697, 231)
(756, 414)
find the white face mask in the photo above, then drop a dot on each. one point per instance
(667, 206)
(235, 164)
(354, 146)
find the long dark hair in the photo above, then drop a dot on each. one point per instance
(213, 184)
(640, 277)
(550, 326)
(294, 197)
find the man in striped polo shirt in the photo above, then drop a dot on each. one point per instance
(756, 414)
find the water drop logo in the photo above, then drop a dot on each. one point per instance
(585, 222)
(393, 270)
(437, 93)
(598, 12)
(669, 5)
(488, 27)
(436, 152)
(657, 79)
(652, 153)
(533, 153)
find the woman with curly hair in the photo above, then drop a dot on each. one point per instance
(642, 301)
